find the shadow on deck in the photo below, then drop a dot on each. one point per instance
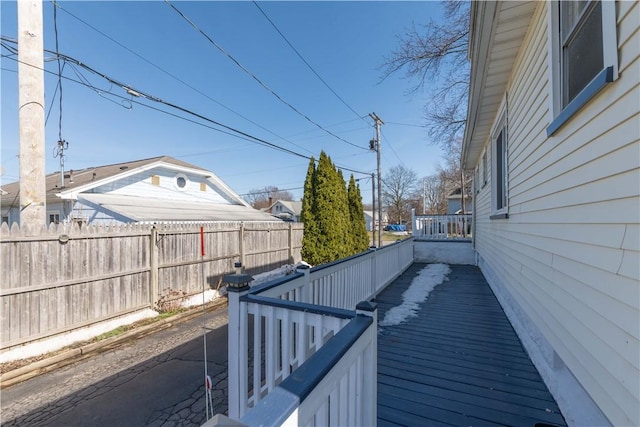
(458, 362)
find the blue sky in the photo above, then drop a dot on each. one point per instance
(344, 42)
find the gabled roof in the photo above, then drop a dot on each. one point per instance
(295, 207)
(77, 181)
(497, 31)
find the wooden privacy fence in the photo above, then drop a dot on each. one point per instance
(66, 277)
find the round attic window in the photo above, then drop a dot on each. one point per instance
(181, 181)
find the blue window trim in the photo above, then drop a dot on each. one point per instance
(499, 216)
(599, 81)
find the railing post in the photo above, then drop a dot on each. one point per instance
(237, 287)
(374, 284)
(414, 226)
(370, 359)
(305, 291)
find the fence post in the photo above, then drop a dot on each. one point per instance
(241, 244)
(237, 287)
(153, 267)
(290, 238)
(370, 359)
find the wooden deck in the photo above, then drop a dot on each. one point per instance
(458, 362)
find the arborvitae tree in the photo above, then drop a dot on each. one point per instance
(331, 212)
(343, 221)
(308, 216)
(330, 233)
(356, 215)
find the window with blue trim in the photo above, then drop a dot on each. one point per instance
(500, 165)
(583, 52)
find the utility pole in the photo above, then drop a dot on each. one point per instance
(378, 121)
(424, 196)
(33, 208)
(373, 209)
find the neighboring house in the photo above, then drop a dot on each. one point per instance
(368, 218)
(454, 203)
(553, 135)
(286, 210)
(160, 189)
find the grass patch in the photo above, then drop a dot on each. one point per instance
(115, 332)
(166, 314)
(389, 236)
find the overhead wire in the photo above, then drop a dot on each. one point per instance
(305, 61)
(256, 78)
(269, 191)
(14, 52)
(405, 124)
(391, 147)
(138, 93)
(55, 30)
(179, 79)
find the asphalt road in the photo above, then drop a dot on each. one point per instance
(156, 380)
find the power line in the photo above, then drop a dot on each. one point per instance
(140, 94)
(305, 61)
(177, 78)
(55, 30)
(406, 124)
(392, 149)
(269, 191)
(260, 82)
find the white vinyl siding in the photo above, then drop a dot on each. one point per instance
(569, 252)
(143, 185)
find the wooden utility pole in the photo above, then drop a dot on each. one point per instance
(373, 209)
(378, 122)
(33, 208)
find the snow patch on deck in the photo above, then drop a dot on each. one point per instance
(418, 292)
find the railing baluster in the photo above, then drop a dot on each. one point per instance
(270, 348)
(286, 344)
(257, 353)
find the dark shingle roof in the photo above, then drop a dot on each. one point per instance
(85, 176)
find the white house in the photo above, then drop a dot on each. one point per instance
(368, 219)
(553, 133)
(454, 202)
(160, 189)
(286, 210)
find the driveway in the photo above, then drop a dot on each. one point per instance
(156, 380)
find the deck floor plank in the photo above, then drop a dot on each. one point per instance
(458, 361)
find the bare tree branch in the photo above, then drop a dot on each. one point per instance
(434, 57)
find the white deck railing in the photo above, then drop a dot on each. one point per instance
(442, 227)
(289, 320)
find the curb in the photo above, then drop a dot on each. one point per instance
(66, 358)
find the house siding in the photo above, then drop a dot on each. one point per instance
(140, 185)
(568, 253)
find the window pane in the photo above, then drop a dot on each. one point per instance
(570, 12)
(582, 55)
